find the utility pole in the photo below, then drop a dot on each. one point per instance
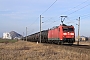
(78, 31)
(23, 36)
(26, 33)
(63, 18)
(40, 28)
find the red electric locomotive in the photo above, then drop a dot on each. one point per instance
(62, 34)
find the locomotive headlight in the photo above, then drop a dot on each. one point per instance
(64, 33)
(71, 33)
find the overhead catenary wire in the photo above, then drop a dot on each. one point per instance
(44, 11)
(72, 9)
(49, 7)
(85, 15)
(79, 9)
(75, 6)
(69, 9)
(82, 16)
(34, 21)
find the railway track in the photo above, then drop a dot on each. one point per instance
(68, 45)
(81, 46)
(75, 48)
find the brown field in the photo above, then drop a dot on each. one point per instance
(23, 50)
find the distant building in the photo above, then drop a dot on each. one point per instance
(11, 35)
(6, 36)
(82, 38)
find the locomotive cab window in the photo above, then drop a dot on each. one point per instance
(67, 29)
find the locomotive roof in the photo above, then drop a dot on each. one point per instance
(60, 25)
(54, 27)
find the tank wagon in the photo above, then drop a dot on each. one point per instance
(59, 34)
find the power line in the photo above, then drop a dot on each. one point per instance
(52, 22)
(71, 9)
(67, 10)
(49, 7)
(79, 9)
(34, 21)
(45, 11)
(75, 6)
(85, 15)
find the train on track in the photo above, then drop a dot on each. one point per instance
(60, 34)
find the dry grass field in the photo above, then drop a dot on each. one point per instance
(23, 50)
(83, 43)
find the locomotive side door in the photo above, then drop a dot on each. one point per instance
(58, 33)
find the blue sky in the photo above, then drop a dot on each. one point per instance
(16, 15)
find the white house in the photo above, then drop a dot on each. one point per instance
(7, 36)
